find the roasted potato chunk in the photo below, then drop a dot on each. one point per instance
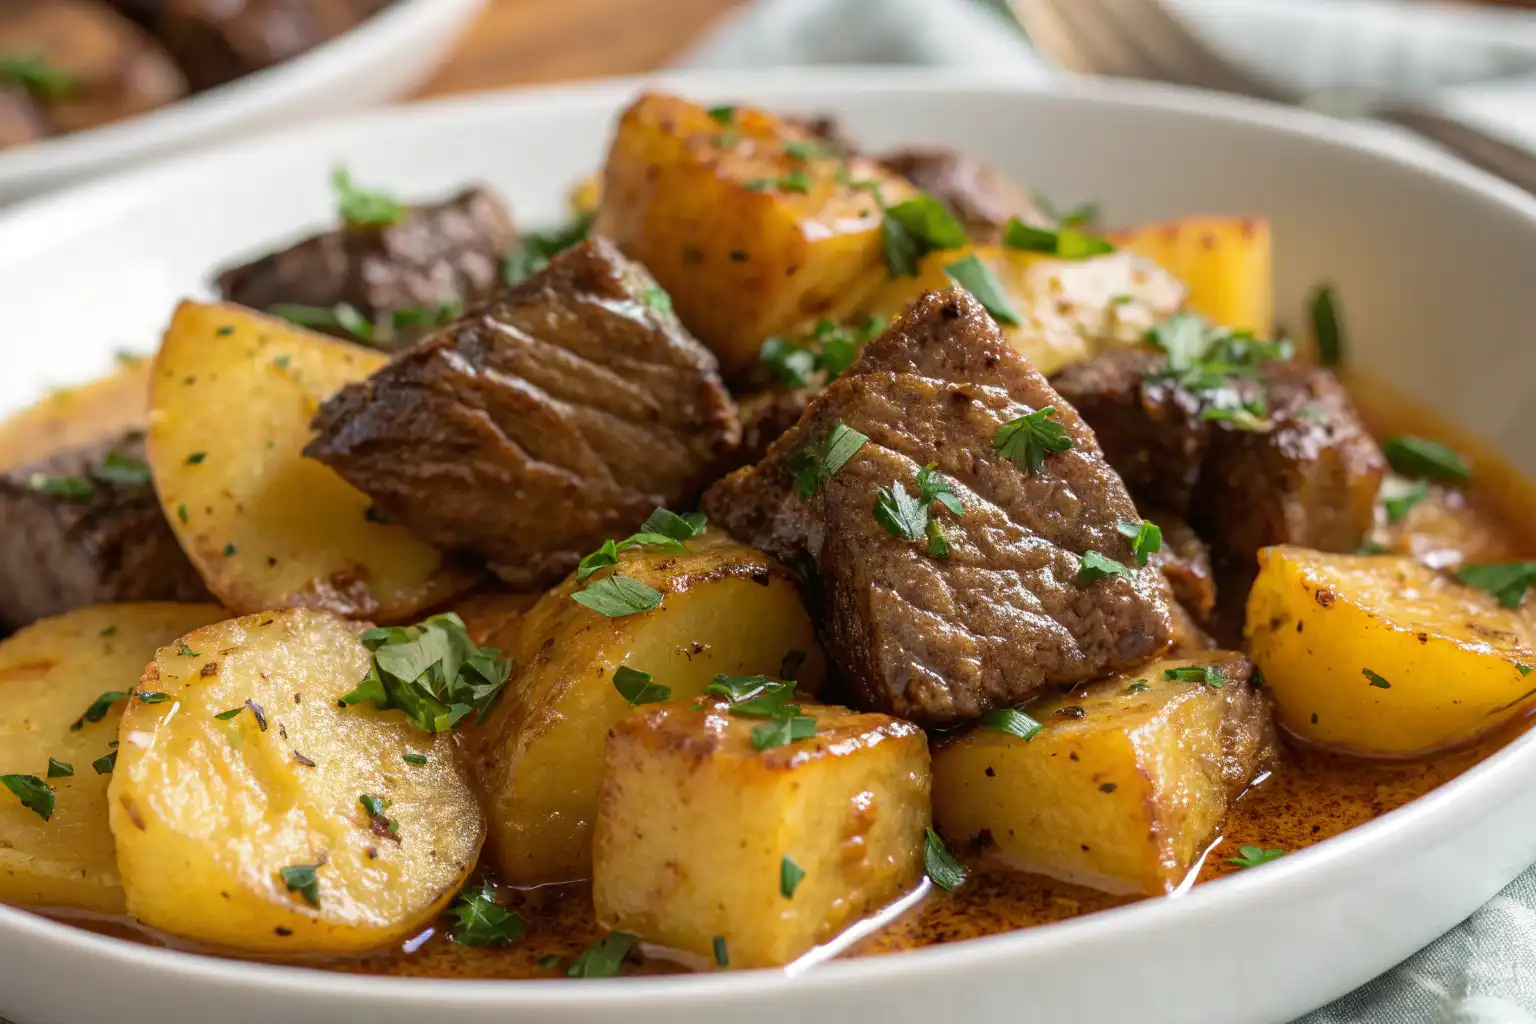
(1381, 655)
(50, 674)
(725, 608)
(1225, 261)
(815, 834)
(1069, 309)
(78, 416)
(232, 398)
(742, 219)
(222, 820)
(1124, 784)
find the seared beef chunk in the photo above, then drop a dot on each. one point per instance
(1186, 564)
(438, 254)
(1304, 471)
(83, 528)
(765, 416)
(983, 198)
(941, 640)
(217, 41)
(534, 429)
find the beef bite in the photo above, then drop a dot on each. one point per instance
(217, 41)
(83, 528)
(981, 196)
(1265, 451)
(1004, 607)
(537, 427)
(398, 272)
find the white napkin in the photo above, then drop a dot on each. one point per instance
(1479, 65)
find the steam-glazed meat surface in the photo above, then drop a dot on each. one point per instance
(942, 640)
(83, 528)
(981, 196)
(1186, 564)
(446, 253)
(1307, 474)
(533, 429)
(217, 41)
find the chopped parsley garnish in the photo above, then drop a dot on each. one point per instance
(374, 807)
(806, 149)
(1205, 675)
(181, 513)
(723, 114)
(1084, 213)
(35, 794)
(1507, 581)
(301, 878)
(536, 250)
(99, 708)
(36, 76)
(364, 207)
(657, 300)
(795, 181)
(1145, 537)
(1253, 856)
(1011, 721)
(1523, 668)
(230, 550)
(548, 962)
(1399, 496)
(617, 595)
(1211, 361)
(947, 872)
(604, 957)
(59, 769)
(225, 716)
(432, 671)
(829, 350)
(153, 697)
(187, 652)
(1095, 566)
(346, 317)
(1138, 686)
(636, 686)
(105, 763)
(1326, 327)
(1421, 457)
(1067, 242)
(417, 759)
(977, 278)
(761, 697)
(196, 458)
(899, 512)
(481, 921)
(722, 955)
(1029, 438)
(1375, 680)
(72, 488)
(818, 463)
(913, 228)
(664, 529)
(118, 470)
(790, 876)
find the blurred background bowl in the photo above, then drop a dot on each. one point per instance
(386, 57)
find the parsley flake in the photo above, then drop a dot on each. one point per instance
(1096, 566)
(1399, 496)
(1205, 675)
(1067, 242)
(947, 872)
(301, 878)
(36, 76)
(604, 957)
(1145, 537)
(1507, 581)
(534, 251)
(59, 769)
(432, 671)
(977, 278)
(99, 708)
(818, 463)
(722, 955)
(481, 921)
(1253, 856)
(35, 794)
(900, 513)
(790, 876)
(105, 763)
(617, 595)
(1011, 721)
(1421, 457)
(1375, 680)
(364, 207)
(1029, 438)
(913, 228)
(1326, 328)
(636, 686)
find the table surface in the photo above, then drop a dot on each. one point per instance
(517, 42)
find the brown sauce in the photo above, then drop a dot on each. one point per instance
(1310, 796)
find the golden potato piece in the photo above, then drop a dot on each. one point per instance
(1124, 785)
(1070, 309)
(232, 398)
(1381, 655)
(700, 834)
(749, 231)
(78, 416)
(50, 674)
(209, 811)
(1225, 261)
(539, 755)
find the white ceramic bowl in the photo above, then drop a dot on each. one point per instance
(386, 57)
(1433, 263)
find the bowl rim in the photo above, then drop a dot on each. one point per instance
(1473, 794)
(200, 114)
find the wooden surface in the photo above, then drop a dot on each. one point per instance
(517, 42)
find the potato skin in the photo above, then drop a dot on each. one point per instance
(1225, 261)
(694, 823)
(1124, 785)
(232, 396)
(741, 263)
(1451, 655)
(207, 812)
(538, 756)
(1070, 309)
(50, 673)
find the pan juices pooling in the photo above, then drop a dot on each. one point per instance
(795, 534)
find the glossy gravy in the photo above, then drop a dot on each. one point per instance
(1310, 796)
